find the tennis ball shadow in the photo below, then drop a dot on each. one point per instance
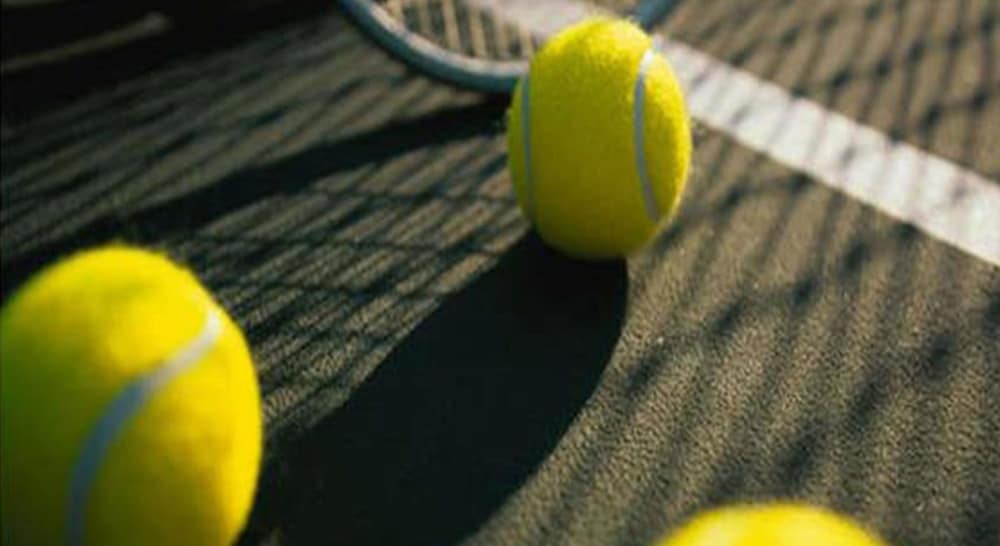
(458, 416)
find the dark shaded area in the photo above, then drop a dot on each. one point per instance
(31, 28)
(189, 212)
(197, 28)
(457, 416)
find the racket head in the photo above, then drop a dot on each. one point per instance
(483, 45)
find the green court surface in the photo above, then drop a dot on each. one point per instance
(432, 374)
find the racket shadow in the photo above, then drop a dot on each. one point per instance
(458, 416)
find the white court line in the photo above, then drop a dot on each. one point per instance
(942, 199)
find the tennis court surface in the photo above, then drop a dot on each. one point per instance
(432, 374)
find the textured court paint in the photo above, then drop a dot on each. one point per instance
(639, 132)
(118, 414)
(944, 200)
(727, 330)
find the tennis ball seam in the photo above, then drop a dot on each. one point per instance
(639, 135)
(117, 414)
(667, 193)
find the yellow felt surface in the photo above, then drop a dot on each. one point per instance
(72, 338)
(771, 525)
(587, 195)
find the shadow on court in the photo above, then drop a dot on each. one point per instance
(458, 416)
(191, 211)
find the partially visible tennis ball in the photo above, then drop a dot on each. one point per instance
(599, 140)
(129, 407)
(771, 525)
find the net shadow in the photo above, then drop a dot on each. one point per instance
(458, 415)
(780, 340)
(193, 210)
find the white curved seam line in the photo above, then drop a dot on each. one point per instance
(120, 411)
(639, 135)
(529, 185)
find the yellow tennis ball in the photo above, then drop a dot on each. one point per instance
(771, 525)
(129, 407)
(599, 140)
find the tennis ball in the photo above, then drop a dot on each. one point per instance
(599, 140)
(129, 407)
(771, 525)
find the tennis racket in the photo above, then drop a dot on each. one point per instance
(484, 45)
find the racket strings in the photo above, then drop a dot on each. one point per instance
(469, 27)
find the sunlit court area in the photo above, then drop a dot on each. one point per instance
(500, 272)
